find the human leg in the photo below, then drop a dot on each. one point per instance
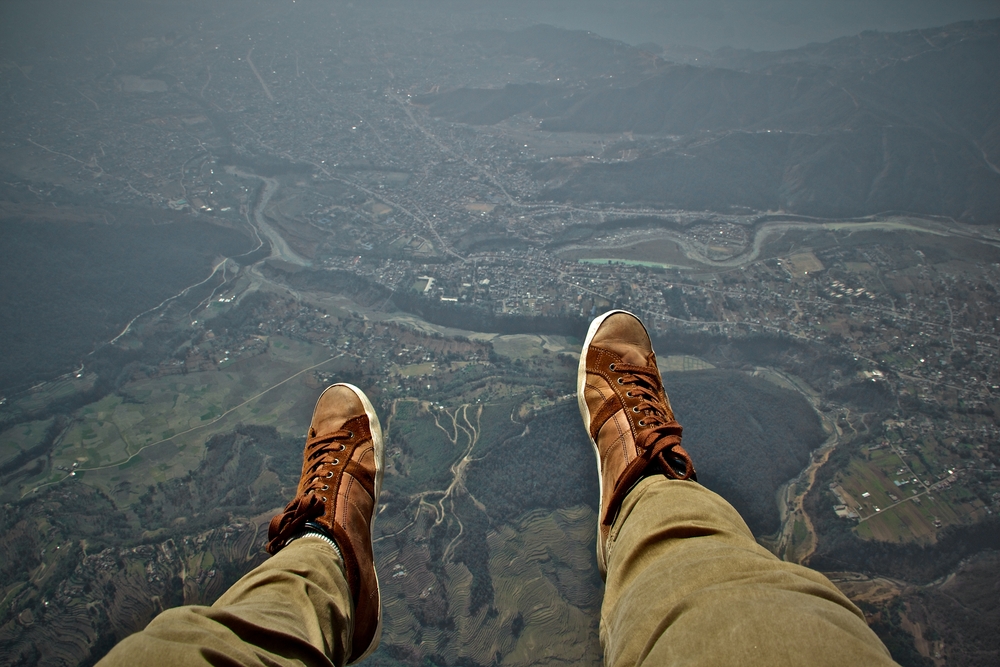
(316, 601)
(686, 583)
(294, 609)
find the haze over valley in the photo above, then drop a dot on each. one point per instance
(210, 211)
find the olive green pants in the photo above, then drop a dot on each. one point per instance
(293, 609)
(687, 585)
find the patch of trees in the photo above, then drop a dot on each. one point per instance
(474, 552)
(747, 437)
(675, 302)
(843, 550)
(804, 359)
(915, 405)
(887, 624)
(551, 466)
(867, 396)
(517, 625)
(244, 318)
(52, 433)
(964, 613)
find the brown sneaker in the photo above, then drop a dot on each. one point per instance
(338, 493)
(627, 413)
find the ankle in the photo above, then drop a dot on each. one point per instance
(315, 530)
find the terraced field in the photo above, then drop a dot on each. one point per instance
(115, 592)
(545, 573)
(545, 605)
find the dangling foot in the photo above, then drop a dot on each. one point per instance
(337, 496)
(627, 413)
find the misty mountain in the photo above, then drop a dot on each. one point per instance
(879, 122)
(563, 54)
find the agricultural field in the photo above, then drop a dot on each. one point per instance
(682, 363)
(802, 264)
(156, 428)
(663, 252)
(530, 346)
(907, 490)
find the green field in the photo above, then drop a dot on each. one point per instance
(906, 512)
(157, 427)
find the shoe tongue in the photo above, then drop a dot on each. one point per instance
(630, 354)
(635, 357)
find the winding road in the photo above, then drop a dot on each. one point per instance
(457, 426)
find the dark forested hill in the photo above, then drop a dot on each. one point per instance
(69, 286)
(863, 125)
(746, 435)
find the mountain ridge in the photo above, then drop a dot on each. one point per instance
(901, 128)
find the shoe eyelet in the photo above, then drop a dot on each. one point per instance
(350, 434)
(329, 474)
(324, 499)
(342, 447)
(629, 394)
(336, 461)
(620, 381)
(642, 423)
(611, 367)
(325, 487)
(635, 408)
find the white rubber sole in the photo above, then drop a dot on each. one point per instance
(379, 447)
(581, 384)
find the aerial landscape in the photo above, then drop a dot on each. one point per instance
(211, 211)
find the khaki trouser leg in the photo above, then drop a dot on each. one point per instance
(294, 609)
(688, 585)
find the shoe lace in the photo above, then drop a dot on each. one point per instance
(658, 437)
(310, 502)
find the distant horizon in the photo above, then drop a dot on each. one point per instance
(758, 25)
(762, 25)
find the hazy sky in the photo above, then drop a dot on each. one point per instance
(755, 24)
(707, 24)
